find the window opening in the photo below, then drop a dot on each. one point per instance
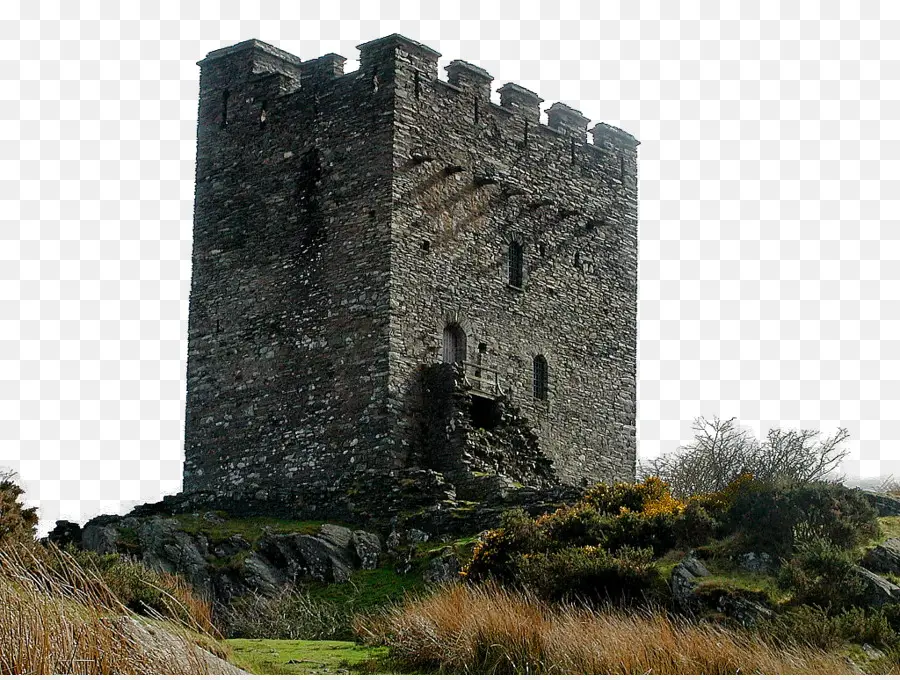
(540, 382)
(516, 264)
(454, 344)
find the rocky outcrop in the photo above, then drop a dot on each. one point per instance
(877, 591)
(885, 505)
(692, 598)
(683, 581)
(100, 539)
(884, 558)
(443, 568)
(758, 563)
(230, 565)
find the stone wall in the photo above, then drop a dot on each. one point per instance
(343, 220)
(288, 329)
(470, 177)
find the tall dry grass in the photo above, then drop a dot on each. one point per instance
(489, 630)
(56, 617)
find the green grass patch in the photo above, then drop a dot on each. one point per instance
(251, 528)
(758, 586)
(368, 589)
(304, 657)
(890, 528)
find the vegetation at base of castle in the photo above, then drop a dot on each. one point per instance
(722, 450)
(306, 657)
(318, 611)
(149, 592)
(618, 530)
(250, 528)
(490, 630)
(17, 523)
(62, 613)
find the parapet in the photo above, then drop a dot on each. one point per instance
(521, 101)
(375, 53)
(271, 71)
(467, 76)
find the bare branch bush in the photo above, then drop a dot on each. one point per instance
(722, 451)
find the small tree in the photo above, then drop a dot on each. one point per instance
(17, 523)
(722, 451)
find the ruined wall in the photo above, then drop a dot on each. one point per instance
(469, 178)
(288, 329)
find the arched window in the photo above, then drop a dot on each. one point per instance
(516, 264)
(540, 378)
(454, 344)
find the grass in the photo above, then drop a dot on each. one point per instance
(251, 528)
(487, 630)
(57, 617)
(368, 589)
(303, 657)
(759, 587)
(890, 528)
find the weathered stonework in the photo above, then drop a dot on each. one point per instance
(344, 221)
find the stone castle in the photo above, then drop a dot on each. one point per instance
(400, 286)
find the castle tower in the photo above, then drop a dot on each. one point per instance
(353, 230)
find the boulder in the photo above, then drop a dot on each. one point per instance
(260, 576)
(884, 558)
(758, 563)
(877, 591)
(164, 546)
(326, 557)
(65, 533)
(885, 505)
(442, 569)
(683, 581)
(415, 537)
(368, 549)
(101, 539)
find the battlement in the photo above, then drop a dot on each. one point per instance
(236, 80)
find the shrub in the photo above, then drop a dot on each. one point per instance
(822, 574)
(722, 451)
(774, 517)
(588, 572)
(817, 627)
(291, 614)
(634, 497)
(494, 554)
(17, 523)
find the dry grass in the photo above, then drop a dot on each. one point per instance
(58, 618)
(148, 591)
(489, 630)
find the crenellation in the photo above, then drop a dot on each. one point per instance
(521, 101)
(470, 78)
(566, 119)
(349, 228)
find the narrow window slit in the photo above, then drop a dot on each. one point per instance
(572, 150)
(417, 84)
(516, 264)
(476, 111)
(262, 115)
